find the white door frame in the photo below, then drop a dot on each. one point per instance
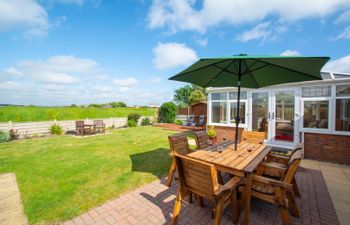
(272, 118)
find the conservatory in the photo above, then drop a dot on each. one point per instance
(316, 113)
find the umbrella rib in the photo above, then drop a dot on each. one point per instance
(223, 69)
(285, 68)
(179, 75)
(248, 68)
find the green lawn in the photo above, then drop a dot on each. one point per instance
(35, 113)
(61, 177)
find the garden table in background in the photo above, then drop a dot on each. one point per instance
(239, 163)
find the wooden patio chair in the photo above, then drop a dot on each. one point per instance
(201, 178)
(202, 139)
(99, 126)
(253, 137)
(281, 161)
(178, 144)
(279, 192)
(80, 128)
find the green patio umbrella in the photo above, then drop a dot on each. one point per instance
(251, 71)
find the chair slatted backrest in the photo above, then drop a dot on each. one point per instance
(98, 123)
(202, 139)
(293, 165)
(79, 123)
(253, 137)
(196, 176)
(201, 120)
(179, 144)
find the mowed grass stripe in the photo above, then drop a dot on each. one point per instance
(61, 177)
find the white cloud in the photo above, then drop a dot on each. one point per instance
(128, 82)
(289, 52)
(13, 72)
(260, 31)
(343, 18)
(156, 80)
(264, 31)
(345, 34)
(10, 85)
(338, 65)
(62, 63)
(25, 14)
(57, 69)
(178, 15)
(170, 55)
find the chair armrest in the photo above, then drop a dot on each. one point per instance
(228, 186)
(272, 169)
(269, 181)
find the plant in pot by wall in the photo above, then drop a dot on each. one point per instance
(212, 134)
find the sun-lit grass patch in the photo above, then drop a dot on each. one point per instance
(35, 113)
(61, 177)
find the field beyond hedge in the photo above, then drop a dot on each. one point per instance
(35, 113)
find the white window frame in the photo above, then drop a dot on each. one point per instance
(210, 108)
(316, 99)
(245, 124)
(330, 111)
(334, 107)
(228, 108)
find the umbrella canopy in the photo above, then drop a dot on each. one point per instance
(251, 72)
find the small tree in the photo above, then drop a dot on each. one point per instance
(167, 112)
(56, 129)
(133, 119)
(118, 104)
(197, 96)
(182, 94)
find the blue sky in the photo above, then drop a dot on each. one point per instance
(60, 52)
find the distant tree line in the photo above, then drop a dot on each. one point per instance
(105, 105)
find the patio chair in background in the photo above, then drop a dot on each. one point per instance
(80, 128)
(99, 126)
(201, 120)
(201, 178)
(279, 192)
(178, 144)
(189, 122)
(202, 139)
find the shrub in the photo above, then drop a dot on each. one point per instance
(4, 136)
(211, 131)
(167, 112)
(132, 123)
(179, 122)
(134, 116)
(133, 119)
(13, 134)
(56, 129)
(146, 121)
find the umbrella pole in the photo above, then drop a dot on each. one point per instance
(237, 119)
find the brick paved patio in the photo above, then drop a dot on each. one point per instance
(153, 204)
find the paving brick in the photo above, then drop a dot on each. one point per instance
(153, 204)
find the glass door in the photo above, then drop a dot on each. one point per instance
(260, 112)
(283, 116)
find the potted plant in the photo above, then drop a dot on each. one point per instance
(212, 134)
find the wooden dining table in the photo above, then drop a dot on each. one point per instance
(240, 162)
